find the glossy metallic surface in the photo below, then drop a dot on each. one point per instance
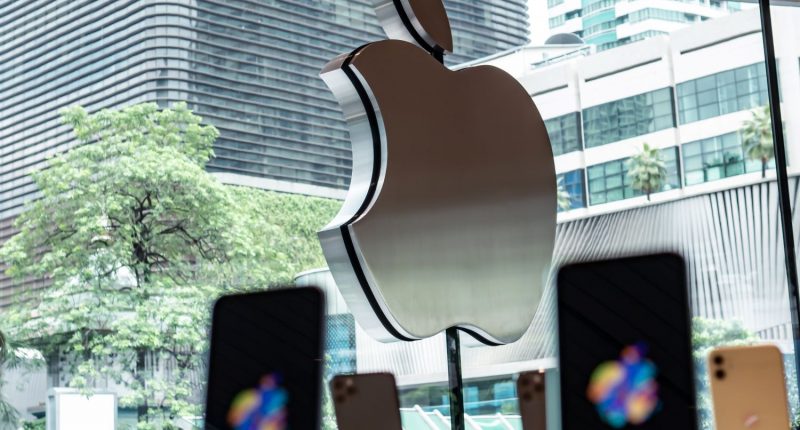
(450, 220)
(422, 22)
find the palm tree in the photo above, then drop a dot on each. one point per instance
(564, 199)
(647, 170)
(757, 137)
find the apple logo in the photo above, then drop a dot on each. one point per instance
(262, 408)
(625, 391)
(451, 213)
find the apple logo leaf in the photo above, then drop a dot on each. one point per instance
(451, 213)
(422, 22)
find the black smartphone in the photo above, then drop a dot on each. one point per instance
(625, 345)
(265, 362)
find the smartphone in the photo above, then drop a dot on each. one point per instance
(366, 402)
(532, 404)
(265, 362)
(748, 389)
(625, 345)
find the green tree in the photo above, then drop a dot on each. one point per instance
(757, 137)
(647, 170)
(137, 239)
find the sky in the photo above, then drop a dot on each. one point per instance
(537, 11)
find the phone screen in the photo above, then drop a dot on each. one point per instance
(625, 346)
(265, 361)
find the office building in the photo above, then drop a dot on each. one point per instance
(249, 67)
(610, 23)
(684, 93)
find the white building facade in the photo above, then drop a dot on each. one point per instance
(688, 94)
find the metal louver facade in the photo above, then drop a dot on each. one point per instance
(249, 67)
(731, 240)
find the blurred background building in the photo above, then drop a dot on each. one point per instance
(248, 67)
(611, 23)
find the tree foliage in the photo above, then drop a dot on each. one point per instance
(137, 239)
(13, 356)
(757, 137)
(647, 170)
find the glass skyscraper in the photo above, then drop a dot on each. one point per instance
(249, 67)
(611, 23)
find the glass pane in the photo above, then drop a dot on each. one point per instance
(283, 158)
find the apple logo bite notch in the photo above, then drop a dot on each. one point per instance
(450, 216)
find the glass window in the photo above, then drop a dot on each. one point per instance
(340, 344)
(722, 93)
(629, 117)
(565, 133)
(716, 158)
(609, 181)
(572, 183)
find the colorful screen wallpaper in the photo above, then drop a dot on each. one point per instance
(625, 391)
(260, 408)
(625, 352)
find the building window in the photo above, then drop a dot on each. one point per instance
(565, 133)
(598, 28)
(599, 5)
(340, 344)
(572, 184)
(670, 157)
(561, 19)
(557, 21)
(716, 158)
(722, 93)
(609, 182)
(553, 3)
(660, 14)
(629, 117)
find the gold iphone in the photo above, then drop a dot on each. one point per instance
(532, 406)
(366, 402)
(748, 388)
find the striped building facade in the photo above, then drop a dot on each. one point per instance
(249, 67)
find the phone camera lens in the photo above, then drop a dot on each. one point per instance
(718, 360)
(720, 374)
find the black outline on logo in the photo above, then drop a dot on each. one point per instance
(352, 255)
(435, 50)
